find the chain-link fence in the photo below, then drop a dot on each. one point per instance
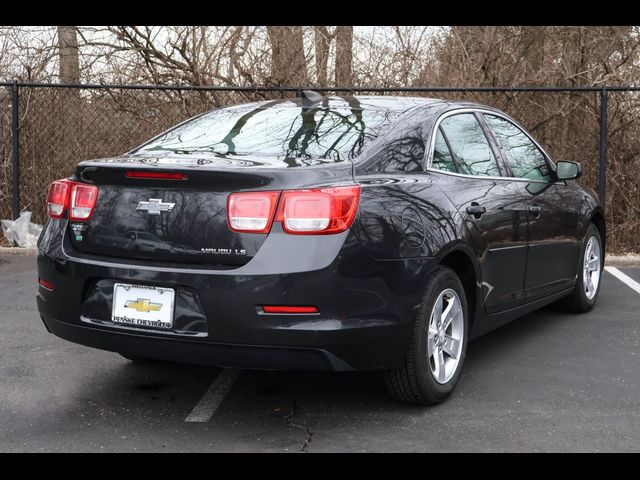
(56, 126)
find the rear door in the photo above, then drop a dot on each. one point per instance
(491, 205)
(554, 242)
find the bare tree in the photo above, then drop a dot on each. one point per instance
(28, 53)
(69, 56)
(288, 62)
(195, 55)
(322, 40)
(344, 55)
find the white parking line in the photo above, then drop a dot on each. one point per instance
(212, 399)
(631, 283)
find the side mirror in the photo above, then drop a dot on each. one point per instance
(568, 170)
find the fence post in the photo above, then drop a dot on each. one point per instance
(15, 132)
(602, 178)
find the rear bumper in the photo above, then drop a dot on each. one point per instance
(366, 309)
(201, 353)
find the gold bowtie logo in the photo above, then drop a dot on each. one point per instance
(143, 305)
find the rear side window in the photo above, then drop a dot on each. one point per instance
(523, 156)
(442, 158)
(469, 145)
(402, 148)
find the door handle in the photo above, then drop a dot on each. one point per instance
(476, 210)
(536, 210)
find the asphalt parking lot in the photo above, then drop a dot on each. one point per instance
(546, 382)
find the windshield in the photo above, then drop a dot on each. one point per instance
(335, 128)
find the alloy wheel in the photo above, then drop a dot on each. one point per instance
(591, 268)
(444, 340)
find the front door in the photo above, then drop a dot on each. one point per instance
(554, 243)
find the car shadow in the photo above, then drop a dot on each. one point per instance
(157, 385)
(362, 392)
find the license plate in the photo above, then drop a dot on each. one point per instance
(143, 306)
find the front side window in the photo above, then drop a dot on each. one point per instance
(469, 145)
(523, 156)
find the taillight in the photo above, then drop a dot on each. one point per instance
(318, 211)
(58, 198)
(302, 212)
(78, 198)
(251, 212)
(83, 201)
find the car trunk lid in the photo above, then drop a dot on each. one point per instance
(183, 219)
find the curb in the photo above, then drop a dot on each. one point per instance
(18, 251)
(622, 260)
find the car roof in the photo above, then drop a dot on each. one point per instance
(397, 103)
(383, 102)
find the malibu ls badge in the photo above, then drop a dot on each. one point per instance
(224, 251)
(155, 205)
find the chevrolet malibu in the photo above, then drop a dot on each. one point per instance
(320, 233)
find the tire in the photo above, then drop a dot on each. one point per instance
(579, 301)
(415, 382)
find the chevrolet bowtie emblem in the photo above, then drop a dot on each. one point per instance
(143, 305)
(155, 205)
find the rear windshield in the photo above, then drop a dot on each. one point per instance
(334, 129)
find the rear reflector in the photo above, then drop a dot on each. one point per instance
(45, 284)
(288, 309)
(251, 212)
(58, 198)
(156, 175)
(318, 211)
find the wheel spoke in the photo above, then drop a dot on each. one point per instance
(587, 254)
(440, 369)
(453, 312)
(438, 307)
(451, 346)
(448, 308)
(431, 344)
(593, 263)
(446, 314)
(590, 287)
(435, 369)
(433, 322)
